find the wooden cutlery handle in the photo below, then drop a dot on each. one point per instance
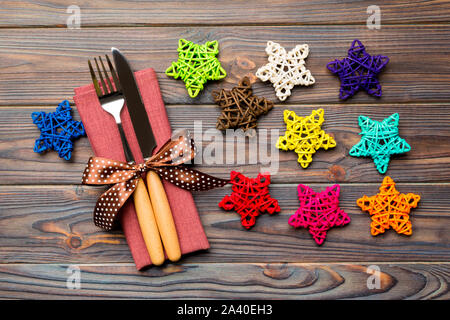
(163, 216)
(148, 224)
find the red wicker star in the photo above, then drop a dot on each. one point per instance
(250, 197)
(319, 211)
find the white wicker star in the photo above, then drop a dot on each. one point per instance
(285, 70)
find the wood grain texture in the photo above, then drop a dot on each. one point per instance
(53, 224)
(417, 72)
(227, 281)
(131, 13)
(425, 128)
(46, 216)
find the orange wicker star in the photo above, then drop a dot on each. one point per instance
(389, 208)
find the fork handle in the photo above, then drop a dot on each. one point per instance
(148, 224)
(163, 215)
(126, 147)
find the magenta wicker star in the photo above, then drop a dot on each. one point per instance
(358, 71)
(319, 211)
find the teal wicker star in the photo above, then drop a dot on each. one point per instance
(379, 140)
(58, 130)
(196, 65)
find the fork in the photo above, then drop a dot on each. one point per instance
(112, 101)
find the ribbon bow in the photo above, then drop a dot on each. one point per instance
(167, 163)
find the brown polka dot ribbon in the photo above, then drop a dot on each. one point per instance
(167, 163)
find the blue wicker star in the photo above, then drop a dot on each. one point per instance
(58, 130)
(358, 71)
(379, 140)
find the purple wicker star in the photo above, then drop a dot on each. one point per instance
(58, 130)
(358, 71)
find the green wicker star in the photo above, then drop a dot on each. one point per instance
(196, 64)
(379, 140)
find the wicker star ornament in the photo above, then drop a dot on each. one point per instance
(379, 140)
(319, 211)
(196, 65)
(240, 108)
(58, 130)
(389, 209)
(358, 71)
(285, 69)
(250, 197)
(304, 135)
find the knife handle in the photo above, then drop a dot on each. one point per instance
(163, 216)
(148, 224)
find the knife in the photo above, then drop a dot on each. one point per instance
(147, 143)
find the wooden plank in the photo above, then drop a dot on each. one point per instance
(112, 13)
(53, 224)
(42, 66)
(423, 126)
(227, 281)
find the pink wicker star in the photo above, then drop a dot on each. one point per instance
(319, 211)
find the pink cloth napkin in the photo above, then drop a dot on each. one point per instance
(105, 140)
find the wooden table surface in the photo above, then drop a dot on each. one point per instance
(46, 215)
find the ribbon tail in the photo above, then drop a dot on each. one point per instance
(190, 179)
(109, 203)
(174, 152)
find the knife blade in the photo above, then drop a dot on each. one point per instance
(147, 143)
(136, 108)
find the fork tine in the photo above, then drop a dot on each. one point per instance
(114, 74)
(94, 80)
(111, 89)
(105, 88)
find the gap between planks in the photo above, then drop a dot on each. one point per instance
(168, 264)
(197, 25)
(320, 184)
(276, 105)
